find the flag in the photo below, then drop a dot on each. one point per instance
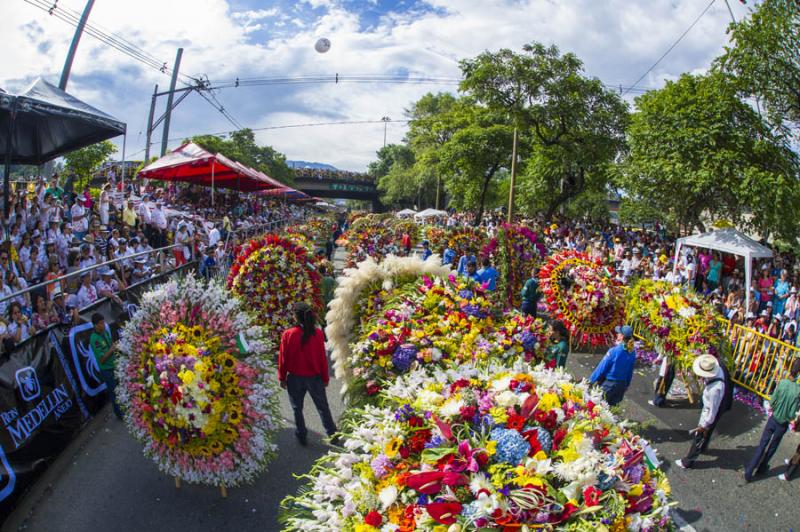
(241, 342)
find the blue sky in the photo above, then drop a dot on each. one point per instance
(224, 39)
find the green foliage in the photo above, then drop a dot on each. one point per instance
(573, 127)
(765, 60)
(86, 161)
(396, 181)
(697, 151)
(590, 205)
(242, 147)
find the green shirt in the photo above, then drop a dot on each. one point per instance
(99, 344)
(558, 352)
(785, 401)
(327, 286)
(530, 292)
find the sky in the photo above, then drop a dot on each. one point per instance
(618, 41)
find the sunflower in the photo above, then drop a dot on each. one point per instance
(197, 332)
(217, 447)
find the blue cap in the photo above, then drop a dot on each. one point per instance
(626, 331)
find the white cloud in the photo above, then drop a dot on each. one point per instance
(617, 39)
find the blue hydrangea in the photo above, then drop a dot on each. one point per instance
(545, 439)
(404, 356)
(512, 448)
(605, 482)
(466, 294)
(528, 340)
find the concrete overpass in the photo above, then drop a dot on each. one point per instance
(339, 185)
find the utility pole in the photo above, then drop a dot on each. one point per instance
(150, 126)
(513, 178)
(170, 96)
(438, 186)
(74, 46)
(730, 11)
(386, 121)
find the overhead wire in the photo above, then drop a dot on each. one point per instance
(676, 43)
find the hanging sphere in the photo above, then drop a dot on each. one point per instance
(322, 45)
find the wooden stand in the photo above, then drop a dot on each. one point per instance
(223, 491)
(177, 483)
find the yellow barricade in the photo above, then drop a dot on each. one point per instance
(759, 362)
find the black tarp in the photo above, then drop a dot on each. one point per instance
(48, 123)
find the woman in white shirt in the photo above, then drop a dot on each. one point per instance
(87, 294)
(19, 328)
(105, 200)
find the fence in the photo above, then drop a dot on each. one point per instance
(758, 361)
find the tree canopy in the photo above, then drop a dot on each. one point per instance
(86, 161)
(242, 147)
(697, 151)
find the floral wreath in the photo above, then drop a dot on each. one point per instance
(197, 385)
(269, 275)
(582, 294)
(343, 314)
(504, 447)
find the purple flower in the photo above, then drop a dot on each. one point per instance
(404, 356)
(380, 465)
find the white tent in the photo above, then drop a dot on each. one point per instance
(407, 212)
(728, 240)
(429, 213)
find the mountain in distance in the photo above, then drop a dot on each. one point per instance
(313, 166)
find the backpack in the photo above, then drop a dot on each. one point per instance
(727, 394)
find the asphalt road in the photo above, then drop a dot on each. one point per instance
(103, 482)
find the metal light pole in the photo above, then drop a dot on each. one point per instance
(149, 136)
(168, 116)
(513, 179)
(74, 46)
(386, 121)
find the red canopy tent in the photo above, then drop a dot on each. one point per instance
(192, 164)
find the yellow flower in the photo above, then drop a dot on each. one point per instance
(363, 527)
(549, 401)
(186, 376)
(636, 490)
(391, 448)
(498, 414)
(491, 447)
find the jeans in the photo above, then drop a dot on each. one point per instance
(111, 386)
(614, 391)
(770, 440)
(297, 387)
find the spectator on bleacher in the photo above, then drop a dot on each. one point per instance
(87, 294)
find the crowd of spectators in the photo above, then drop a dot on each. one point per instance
(327, 173)
(52, 231)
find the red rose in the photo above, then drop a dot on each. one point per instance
(468, 412)
(373, 388)
(373, 519)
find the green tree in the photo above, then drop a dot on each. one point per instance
(86, 161)
(572, 124)
(241, 147)
(394, 176)
(698, 152)
(764, 58)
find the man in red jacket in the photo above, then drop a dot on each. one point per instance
(303, 368)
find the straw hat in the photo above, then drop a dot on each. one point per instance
(705, 366)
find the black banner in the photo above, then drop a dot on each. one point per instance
(50, 386)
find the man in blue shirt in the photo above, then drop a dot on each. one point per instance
(426, 250)
(448, 256)
(488, 275)
(472, 271)
(464, 261)
(614, 373)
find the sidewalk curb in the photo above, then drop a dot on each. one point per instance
(683, 526)
(40, 490)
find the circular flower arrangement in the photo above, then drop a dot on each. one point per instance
(676, 320)
(499, 448)
(467, 238)
(584, 296)
(269, 275)
(437, 236)
(362, 292)
(196, 384)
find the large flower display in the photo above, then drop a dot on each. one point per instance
(362, 292)
(582, 294)
(436, 236)
(269, 275)
(197, 384)
(498, 448)
(464, 239)
(516, 251)
(677, 321)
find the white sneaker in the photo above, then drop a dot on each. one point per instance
(650, 402)
(680, 464)
(786, 461)
(782, 476)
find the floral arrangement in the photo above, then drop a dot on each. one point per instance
(517, 253)
(197, 384)
(467, 238)
(522, 337)
(498, 448)
(314, 232)
(269, 275)
(582, 294)
(676, 320)
(436, 236)
(362, 292)
(440, 323)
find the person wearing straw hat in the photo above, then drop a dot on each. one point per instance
(708, 368)
(784, 404)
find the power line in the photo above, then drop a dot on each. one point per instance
(670, 48)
